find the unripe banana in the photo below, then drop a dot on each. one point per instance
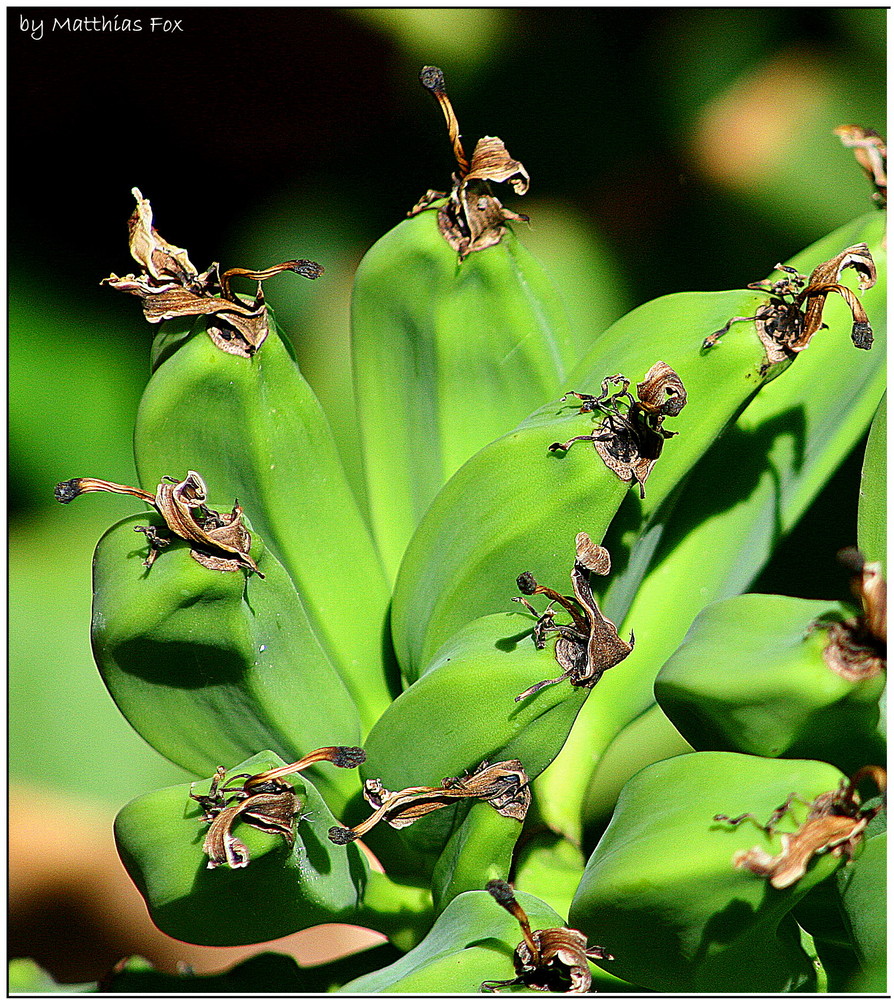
(472, 942)
(663, 874)
(463, 710)
(180, 644)
(284, 889)
(448, 352)
(791, 685)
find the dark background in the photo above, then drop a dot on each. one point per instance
(669, 149)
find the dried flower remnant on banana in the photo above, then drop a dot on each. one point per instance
(553, 960)
(472, 218)
(858, 647)
(834, 825)
(264, 801)
(217, 540)
(871, 153)
(590, 644)
(170, 286)
(794, 313)
(504, 785)
(631, 436)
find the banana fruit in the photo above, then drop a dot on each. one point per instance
(457, 334)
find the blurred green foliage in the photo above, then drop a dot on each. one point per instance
(266, 133)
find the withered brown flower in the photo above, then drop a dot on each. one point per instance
(858, 647)
(554, 959)
(171, 286)
(631, 436)
(472, 218)
(834, 825)
(504, 785)
(218, 541)
(264, 801)
(794, 313)
(871, 153)
(588, 646)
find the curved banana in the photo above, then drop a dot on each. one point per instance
(457, 334)
(179, 644)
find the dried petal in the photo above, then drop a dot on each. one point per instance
(218, 541)
(871, 153)
(491, 162)
(591, 644)
(661, 393)
(158, 258)
(271, 812)
(555, 959)
(171, 287)
(631, 436)
(857, 647)
(503, 785)
(472, 219)
(834, 824)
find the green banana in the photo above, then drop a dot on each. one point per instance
(472, 941)
(663, 873)
(872, 527)
(227, 397)
(650, 737)
(550, 867)
(180, 643)
(284, 889)
(480, 849)
(286, 471)
(862, 892)
(448, 352)
(782, 691)
(745, 493)
(463, 710)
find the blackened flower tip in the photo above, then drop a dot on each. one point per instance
(341, 835)
(526, 583)
(501, 891)
(432, 78)
(861, 335)
(307, 268)
(349, 756)
(67, 491)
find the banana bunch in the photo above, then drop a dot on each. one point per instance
(226, 396)
(457, 334)
(520, 491)
(664, 873)
(743, 495)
